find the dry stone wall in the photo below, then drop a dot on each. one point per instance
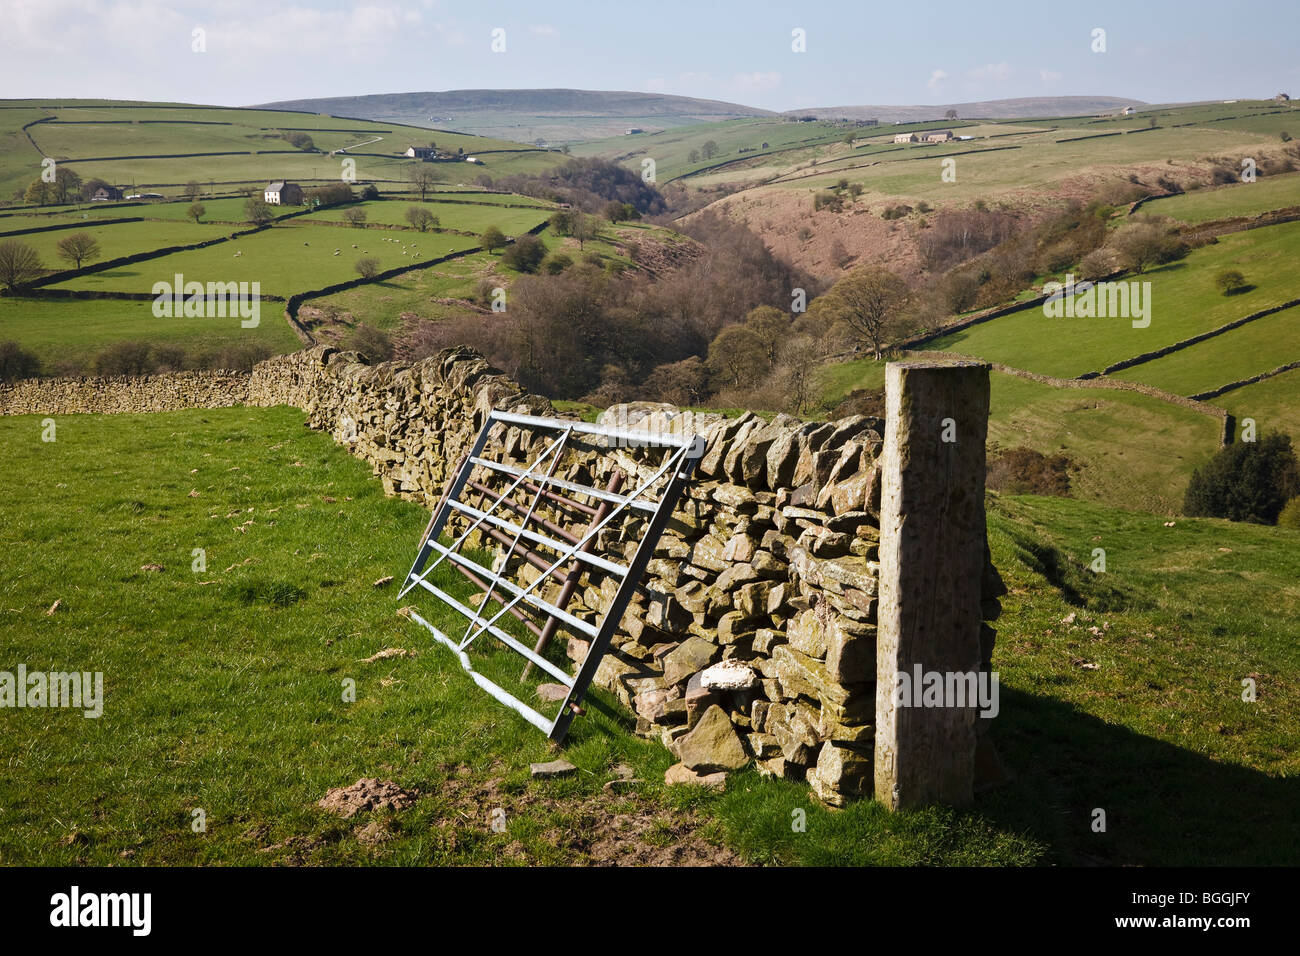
(164, 392)
(754, 637)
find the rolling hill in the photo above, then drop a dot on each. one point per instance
(1021, 108)
(555, 116)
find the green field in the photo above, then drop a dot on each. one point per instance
(1134, 451)
(84, 135)
(285, 259)
(223, 687)
(1223, 202)
(117, 239)
(223, 684)
(460, 216)
(1273, 403)
(1184, 303)
(68, 333)
(1258, 346)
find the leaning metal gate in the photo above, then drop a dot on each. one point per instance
(558, 554)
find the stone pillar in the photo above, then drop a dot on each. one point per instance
(932, 559)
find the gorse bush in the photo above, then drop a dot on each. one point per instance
(1246, 481)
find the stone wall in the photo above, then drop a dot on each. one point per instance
(770, 562)
(164, 392)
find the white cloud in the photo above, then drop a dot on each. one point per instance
(991, 71)
(1049, 76)
(936, 78)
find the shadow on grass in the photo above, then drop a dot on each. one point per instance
(1164, 805)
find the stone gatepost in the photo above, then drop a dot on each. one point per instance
(932, 558)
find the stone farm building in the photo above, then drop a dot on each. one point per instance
(938, 136)
(422, 152)
(905, 138)
(284, 194)
(106, 194)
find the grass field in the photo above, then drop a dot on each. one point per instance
(118, 239)
(1258, 346)
(245, 718)
(70, 332)
(285, 259)
(217, 208)
(1274, 403)
(1184, 302)
(223, 685)
(382, 304)
(84, 135)
(1134, 451)
(1223, 202)
(462, 216)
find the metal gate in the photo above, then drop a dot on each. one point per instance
(507, 513)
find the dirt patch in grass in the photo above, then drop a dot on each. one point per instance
(604, 829)
(368, 793)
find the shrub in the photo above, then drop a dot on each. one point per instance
(1229, 281)
(1246, 481)
(1023, 471)
(827, 200)
(556, 263)
(124, 358)
(236, 358)
(1289, 516)
(1096, 265)
(16, 362)
(370, 192)
(370, 342)
(169, 358)
(493, 238)
(525, 254)
(861, 401)
(367, 267)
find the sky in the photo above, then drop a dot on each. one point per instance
(855, 51)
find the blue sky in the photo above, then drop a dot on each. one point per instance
(857, 52)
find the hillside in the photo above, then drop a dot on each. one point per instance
(1023, 165)
(1020, 108)
(160, 147)
(525, 116)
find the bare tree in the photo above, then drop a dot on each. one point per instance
(78, 248)
(367, 267)
(870, 301)
(421, 219)
(19, 264)
(355, 217)
(423, 179)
